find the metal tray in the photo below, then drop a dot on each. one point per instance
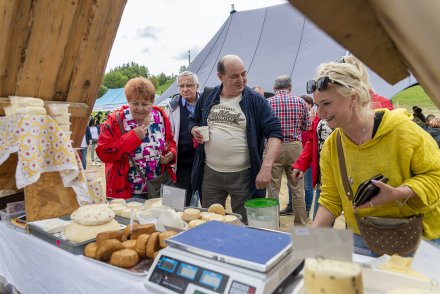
(59, 240)
(206, 209)
(140, 269)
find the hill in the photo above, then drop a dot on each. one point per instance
(416, 96)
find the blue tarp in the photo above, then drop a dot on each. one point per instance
(112, 99)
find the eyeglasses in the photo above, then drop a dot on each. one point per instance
(321, 84)
(186, 86)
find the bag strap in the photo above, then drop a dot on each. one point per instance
(342, 167)
(136, 166)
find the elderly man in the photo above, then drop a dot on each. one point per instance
(295, 118)
(179, 109)
(239, 122)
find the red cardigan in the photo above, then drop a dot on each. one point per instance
(113, 149)
(309, 155)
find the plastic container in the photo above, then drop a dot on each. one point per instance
(6, 217)
(263, 213)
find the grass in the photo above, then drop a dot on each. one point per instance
(162, 88)
(416, 96)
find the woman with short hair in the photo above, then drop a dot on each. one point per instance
(139, 131)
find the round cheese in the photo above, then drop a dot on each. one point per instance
(217, 208)
(331, 276)
(190, 214)
(92, 215)
(77, 233)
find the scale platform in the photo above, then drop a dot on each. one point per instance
(248, 247)
(220, 258)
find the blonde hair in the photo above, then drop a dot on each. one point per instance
(349, 76)
(140, 87)
(360, 67)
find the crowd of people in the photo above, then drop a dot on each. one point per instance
(253, 141)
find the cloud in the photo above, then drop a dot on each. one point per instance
(145, 50)
(148, 32)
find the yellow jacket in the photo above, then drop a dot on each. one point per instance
(401, 151)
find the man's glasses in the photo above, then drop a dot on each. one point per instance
(321, 84)
(186, 86)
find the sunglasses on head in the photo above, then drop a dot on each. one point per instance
(321, 84)
(340, 60)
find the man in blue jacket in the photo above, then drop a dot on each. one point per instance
(240, 121)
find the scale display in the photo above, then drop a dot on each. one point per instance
(176, 275)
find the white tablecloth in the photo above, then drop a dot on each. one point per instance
(35, 266)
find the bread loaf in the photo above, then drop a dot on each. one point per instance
(90, 250)
(101, 237)
(129, 244)
(141, 244)
(105, 250)
(152, 245)
(165, 235)
(142, 229)
(125, 258)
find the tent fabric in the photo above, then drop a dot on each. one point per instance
(112, 99)
(273, 41)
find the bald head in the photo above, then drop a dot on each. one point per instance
(226, 60)
(232, 73)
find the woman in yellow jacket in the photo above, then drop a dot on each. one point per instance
(374, 142)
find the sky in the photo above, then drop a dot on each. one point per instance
(159, 33)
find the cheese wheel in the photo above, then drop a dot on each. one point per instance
(216, 217)
(135, 204)
(190, 214)
(26, 101)
(119, 201)
(217, 208)
(409, 291)
(92, 215)
(331, 276)
(77, 233)
(195, 223)
(31, 110)
(231, 219)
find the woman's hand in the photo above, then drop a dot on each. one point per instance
(197, 135)
(296, 175)
(164, 159)
(386, 195)
(141, 131)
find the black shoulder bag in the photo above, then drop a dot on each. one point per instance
(154, 186)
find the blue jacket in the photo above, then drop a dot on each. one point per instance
(261, 125)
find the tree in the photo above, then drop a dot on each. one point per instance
(182, 69)
(162, 79)
(115, 79)
(102, 91)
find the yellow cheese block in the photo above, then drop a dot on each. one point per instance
(332, 277)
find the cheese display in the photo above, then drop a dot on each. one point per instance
(90, 220)
(190, 214)
(20, 101)
(53, 225)
(401, 265)
(127, 248)
(410, 291)
(332, 277)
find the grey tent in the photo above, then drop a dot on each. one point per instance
(272, 41)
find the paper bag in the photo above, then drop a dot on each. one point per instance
(48, 198)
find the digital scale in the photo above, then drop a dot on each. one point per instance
(220, 258)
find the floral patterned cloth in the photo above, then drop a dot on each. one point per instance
(41, 147)
(147, 155)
